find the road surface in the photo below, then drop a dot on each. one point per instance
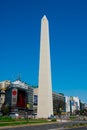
(55, 126)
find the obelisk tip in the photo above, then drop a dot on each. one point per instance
(44, 17)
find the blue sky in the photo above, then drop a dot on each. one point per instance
(20, 42)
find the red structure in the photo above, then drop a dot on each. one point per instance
(21, 99)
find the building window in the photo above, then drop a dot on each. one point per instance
(35, 99)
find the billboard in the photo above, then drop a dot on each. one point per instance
(14, 96)
(21, 99)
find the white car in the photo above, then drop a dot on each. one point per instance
(14, 115)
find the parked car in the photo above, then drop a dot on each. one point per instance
(14, 115)
(29, 116)
(52, 117)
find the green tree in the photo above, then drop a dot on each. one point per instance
(5, 109)
(58, 106)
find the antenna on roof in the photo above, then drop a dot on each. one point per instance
(19, 77)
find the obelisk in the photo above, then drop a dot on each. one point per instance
(45, 101)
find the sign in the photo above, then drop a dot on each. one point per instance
(14, 92)
(14, 96)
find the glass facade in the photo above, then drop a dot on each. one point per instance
(35, 99)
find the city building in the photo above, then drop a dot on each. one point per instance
(58, 102)
(67, 104)
(3, 87)
(74, 104)
(19, 97)
(85, 106)
(35, 100)
(82, 105)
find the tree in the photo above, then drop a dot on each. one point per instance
(58, 106)
(5, 109)
(84, 112)
(77, 112)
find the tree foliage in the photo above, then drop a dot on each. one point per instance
(58, 106)
(5, 109)
(81, 112)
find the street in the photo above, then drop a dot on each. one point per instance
(55, 126)
(84, 128)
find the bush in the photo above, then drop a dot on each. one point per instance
(72, 117)
(54, 120)
(6, 118)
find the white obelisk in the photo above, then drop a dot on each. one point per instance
(45, 101)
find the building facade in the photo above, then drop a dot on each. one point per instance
(74, 104)
(67, 104)
(58, 102)
(3, 87)
(18, 96)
